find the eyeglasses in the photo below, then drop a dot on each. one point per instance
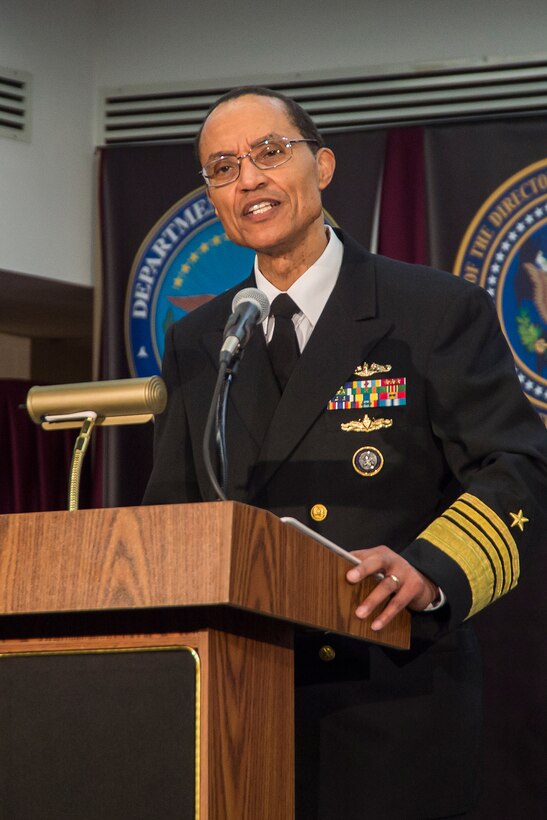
(266, 155)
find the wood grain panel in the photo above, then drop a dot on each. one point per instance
(179, 555)
(114, 559)
(277, 569)
(251, 756)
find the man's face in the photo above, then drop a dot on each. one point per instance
(274, 211)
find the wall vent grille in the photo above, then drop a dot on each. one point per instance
(372, 98)
(15, 88)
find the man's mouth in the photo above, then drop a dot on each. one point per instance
(260, 207)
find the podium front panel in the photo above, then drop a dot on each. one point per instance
(100, 734)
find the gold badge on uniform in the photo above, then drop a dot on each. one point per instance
(365, 370)
(365, 425)
(367, 461)
(319, 512)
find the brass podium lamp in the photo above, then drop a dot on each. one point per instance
(89, 404)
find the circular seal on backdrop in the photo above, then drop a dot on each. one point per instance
(185, 260)
(505, 251)
(367, 461)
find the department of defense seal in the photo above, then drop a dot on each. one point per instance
(185, 260)
(505, 251)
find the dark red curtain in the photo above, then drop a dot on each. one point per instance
(35, 464)
(402, 230)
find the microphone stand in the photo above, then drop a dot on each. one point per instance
(216, 420)
(249, 307)
(221, 425)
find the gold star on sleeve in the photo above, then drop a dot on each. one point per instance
(518, 520)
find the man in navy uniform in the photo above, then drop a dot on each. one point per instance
(397, 428)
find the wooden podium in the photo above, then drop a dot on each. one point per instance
(228, 581)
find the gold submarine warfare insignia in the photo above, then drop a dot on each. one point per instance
(365, 425)
(364, 370)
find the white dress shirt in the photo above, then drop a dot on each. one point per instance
(310, 292)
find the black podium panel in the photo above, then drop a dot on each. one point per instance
(99, 735)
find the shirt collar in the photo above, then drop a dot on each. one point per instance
(313, 288)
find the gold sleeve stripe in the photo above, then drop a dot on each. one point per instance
(504, 547)
(449, 538)
(489, 549)
(489, 541)
(503, 532)
(474, 536)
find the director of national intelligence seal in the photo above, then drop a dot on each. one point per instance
(185, 260)
(505, 251)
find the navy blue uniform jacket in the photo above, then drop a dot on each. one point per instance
(462, 463)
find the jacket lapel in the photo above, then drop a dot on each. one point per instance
(346, 332)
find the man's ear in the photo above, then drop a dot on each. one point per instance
(326, 163)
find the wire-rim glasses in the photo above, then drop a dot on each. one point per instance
(268, 154)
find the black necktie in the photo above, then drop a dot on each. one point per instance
(283, 347)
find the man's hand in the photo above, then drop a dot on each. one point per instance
(402, 585)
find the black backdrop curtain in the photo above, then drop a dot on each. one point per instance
(465, 164)
(434, 180)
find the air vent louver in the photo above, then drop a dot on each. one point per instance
(378, 98)
(15, 104)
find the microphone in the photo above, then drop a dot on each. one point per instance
(250, 307)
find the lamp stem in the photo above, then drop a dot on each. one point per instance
(80, 448)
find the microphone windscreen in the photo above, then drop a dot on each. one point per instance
(257, 297)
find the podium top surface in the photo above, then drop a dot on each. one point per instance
(180, 555)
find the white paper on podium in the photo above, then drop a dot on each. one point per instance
(330, 545)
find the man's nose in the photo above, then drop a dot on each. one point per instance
(250, 176)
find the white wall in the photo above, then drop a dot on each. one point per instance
(46, 185)
(75, 47)
(170, 40)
